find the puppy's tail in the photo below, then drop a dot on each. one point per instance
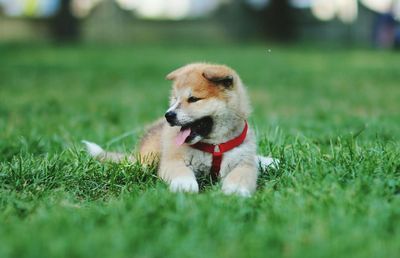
(97, 152)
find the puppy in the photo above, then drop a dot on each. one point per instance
(204, 132)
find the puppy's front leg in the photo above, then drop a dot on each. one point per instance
(179, 177)
(242, 180)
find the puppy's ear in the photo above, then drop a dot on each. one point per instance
(172, 75)
(219, 76)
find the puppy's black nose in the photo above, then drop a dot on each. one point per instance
(171, 117)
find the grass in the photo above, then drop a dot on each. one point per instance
(331, 116)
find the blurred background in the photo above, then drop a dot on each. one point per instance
(350, 22)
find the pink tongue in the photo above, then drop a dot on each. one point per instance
(181, 137)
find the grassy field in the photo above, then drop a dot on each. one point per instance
(331, 116)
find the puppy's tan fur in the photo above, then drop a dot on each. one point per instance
(229, 108)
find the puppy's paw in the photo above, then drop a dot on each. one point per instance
(265, 163)
(236, 189)
(93, 149)
(184, 184)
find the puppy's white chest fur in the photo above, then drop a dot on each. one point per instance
(200, 162)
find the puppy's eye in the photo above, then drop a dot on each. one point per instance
(193, 99)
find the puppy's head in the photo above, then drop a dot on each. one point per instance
(201, 94)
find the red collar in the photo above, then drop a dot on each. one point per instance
(218, 149)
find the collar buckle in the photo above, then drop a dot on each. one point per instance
(217, 150)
